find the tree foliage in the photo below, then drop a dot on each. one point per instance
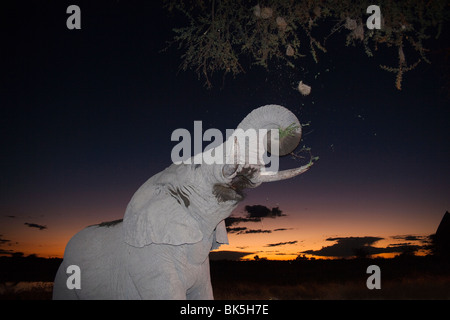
(220, 34)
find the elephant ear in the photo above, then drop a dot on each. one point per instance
(157, 214)
(220, 235)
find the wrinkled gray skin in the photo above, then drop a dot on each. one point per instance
(160, 249)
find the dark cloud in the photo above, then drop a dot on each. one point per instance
(410, 238)
(254, 214)
(280, 244)
(345, 247)
(400, 248)
(400, 244)
(8, 243)
(3, 241)
(281, 229)
(34, 225)
(228, 255)
(236, 220)
(354, 246)
(259, 211)
(236, 229)
(6, 252)
(244, 230)
(12, 253)
(256, 231)
(358, 241)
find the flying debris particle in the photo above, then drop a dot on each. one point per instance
(290, 51)
(304, 88)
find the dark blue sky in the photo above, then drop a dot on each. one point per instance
(87, 115)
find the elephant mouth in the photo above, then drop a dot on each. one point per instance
(234, 190)
(244, 179)
(250, 176)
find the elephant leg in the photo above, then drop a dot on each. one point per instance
(203, 288)
(156, 278)
(203, 292)
(60, 290)
(162, 286)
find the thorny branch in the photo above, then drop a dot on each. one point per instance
(275, 31)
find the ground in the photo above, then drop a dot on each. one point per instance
(401, 278)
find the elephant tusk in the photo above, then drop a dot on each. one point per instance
(266, 176)
(236, 152)
(230, 170)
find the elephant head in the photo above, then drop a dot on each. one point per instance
(278, 132)
(186, 203)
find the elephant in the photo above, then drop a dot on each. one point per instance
(160, 249)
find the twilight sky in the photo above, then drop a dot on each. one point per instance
(87, 117)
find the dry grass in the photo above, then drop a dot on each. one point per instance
(430, 287)
(26, 291)
(420, 288)
(408, 278)
(411, 278)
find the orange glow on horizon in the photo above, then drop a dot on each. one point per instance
(281, 238)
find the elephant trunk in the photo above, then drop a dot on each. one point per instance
(279, 118)
(288, 137)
